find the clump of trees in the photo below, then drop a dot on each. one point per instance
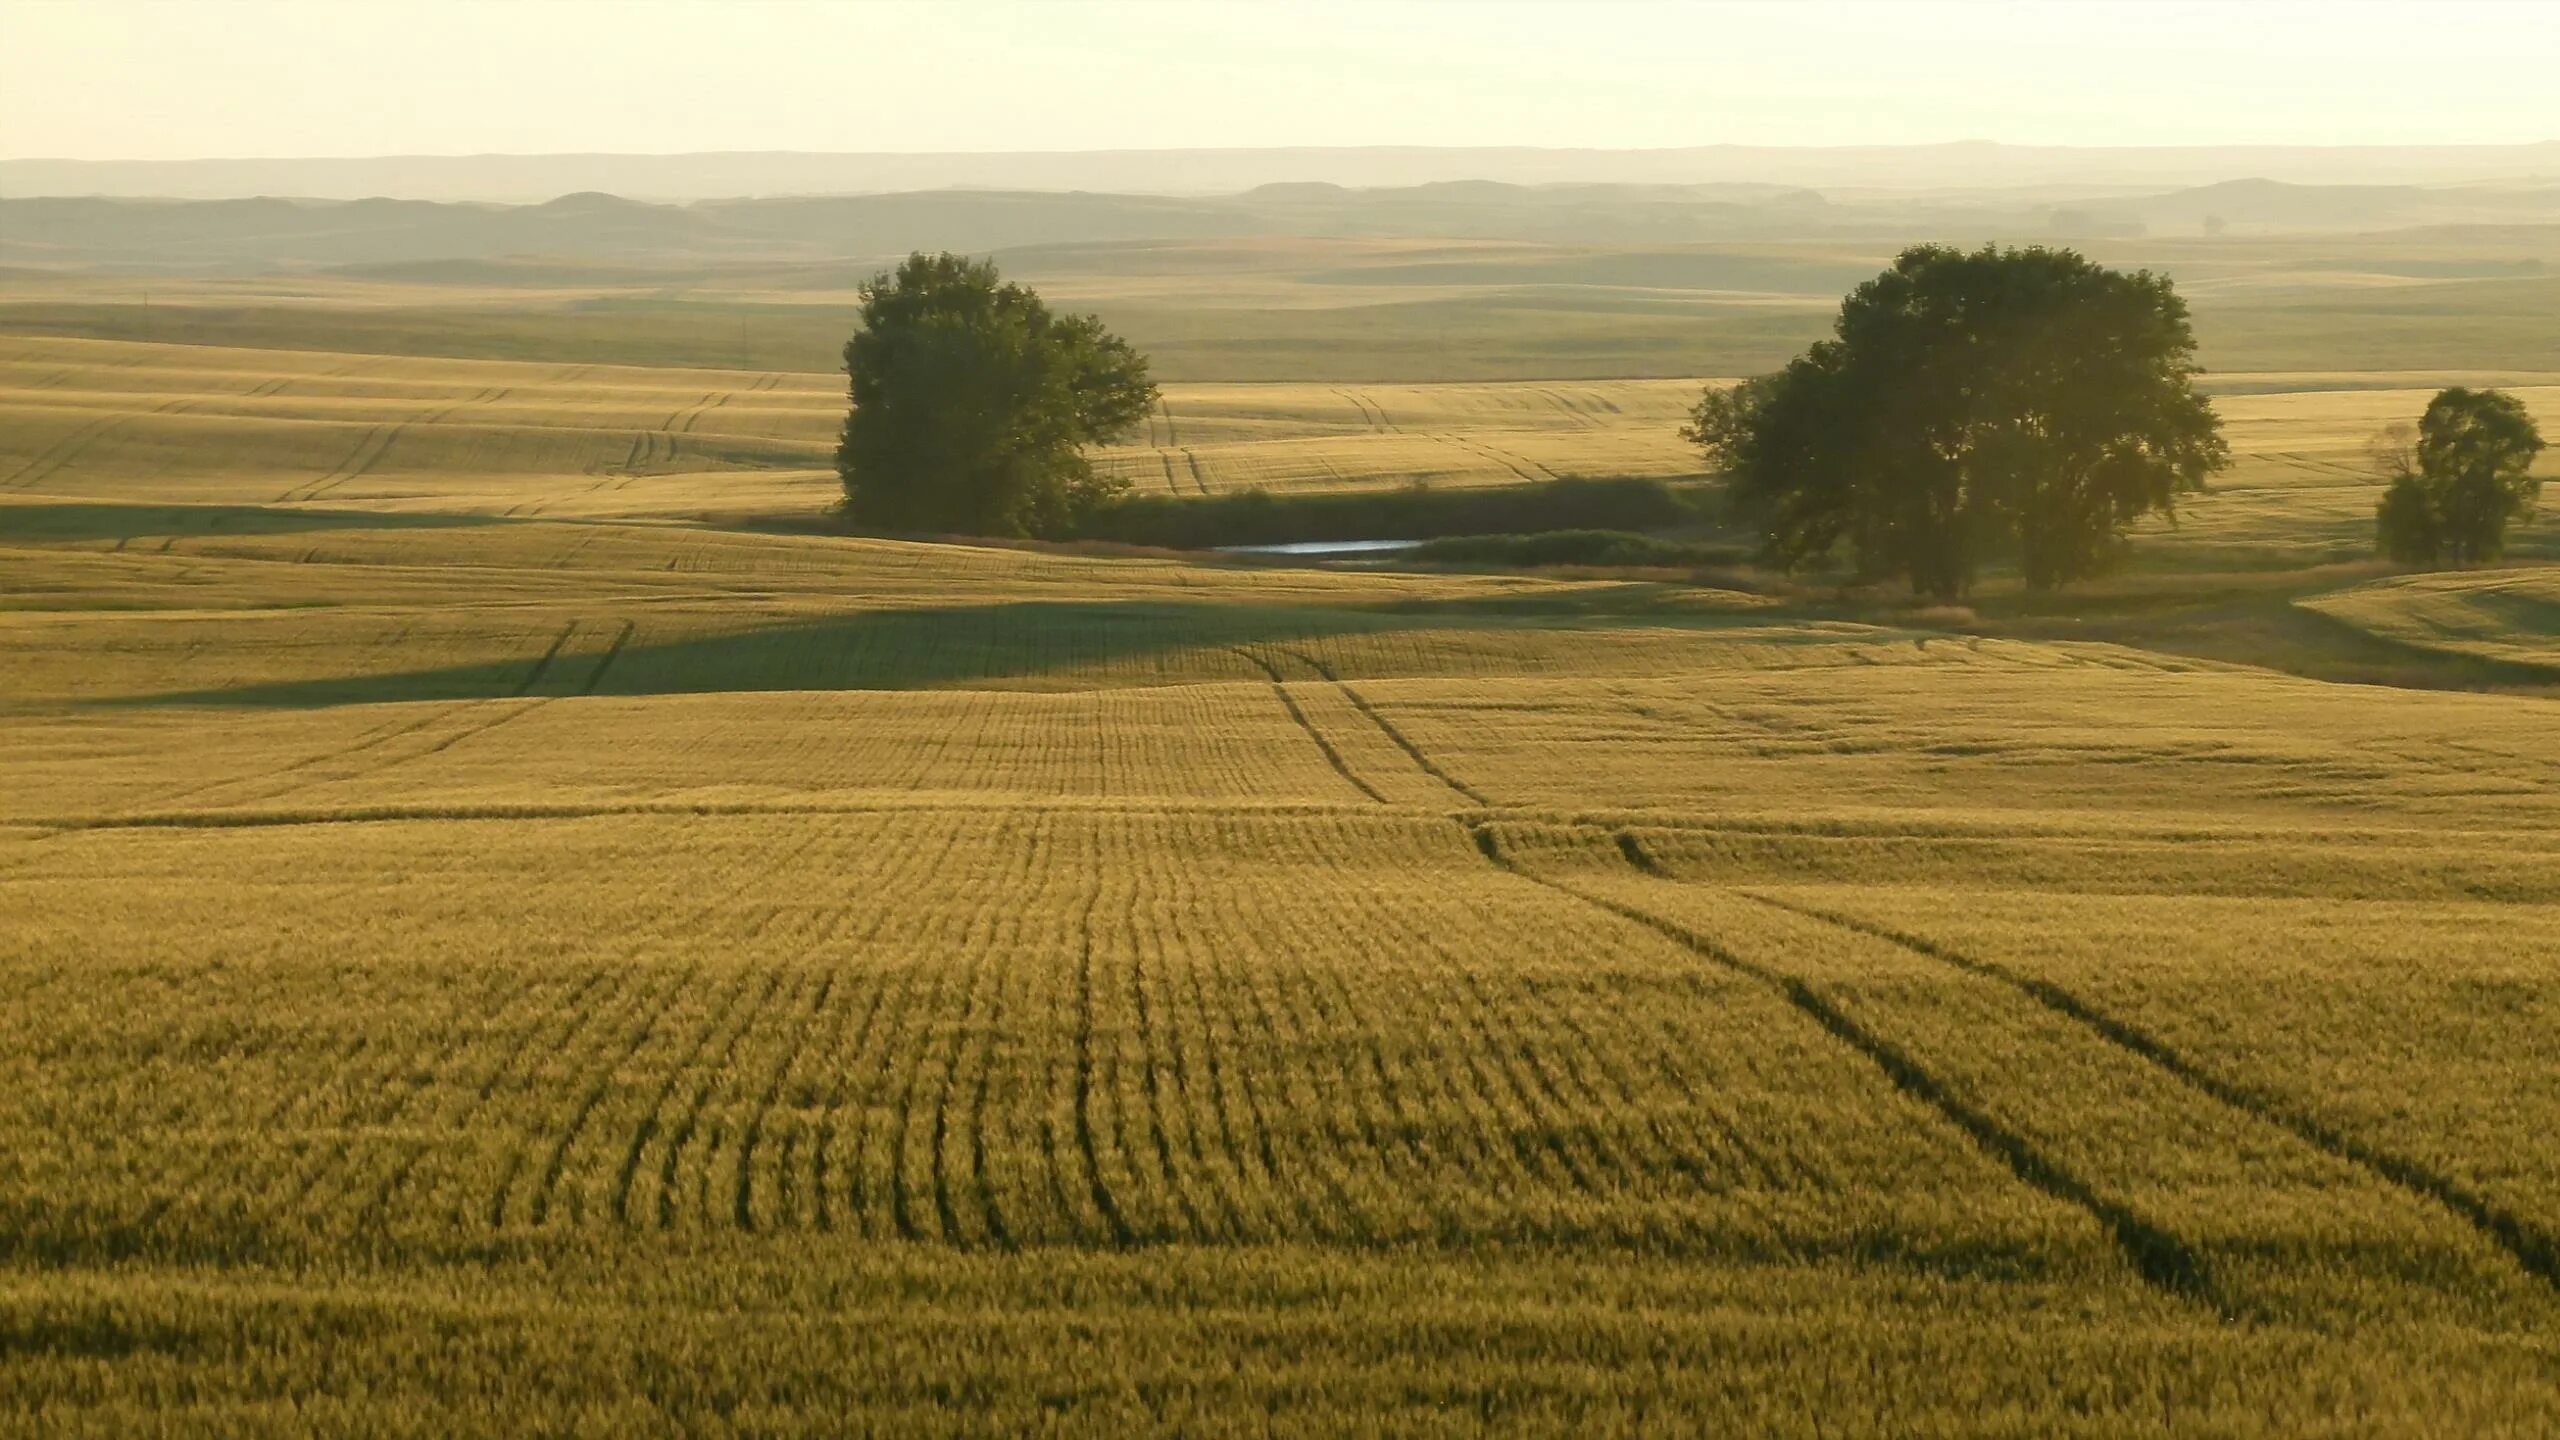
(972, 405)
(2457, 481)
(1971, 407)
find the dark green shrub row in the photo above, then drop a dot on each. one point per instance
(1414, 512)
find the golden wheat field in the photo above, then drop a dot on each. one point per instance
(483, 951)
(296, 430)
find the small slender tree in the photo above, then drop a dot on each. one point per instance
(1972, 405)
(971, 404)
(2458, 481)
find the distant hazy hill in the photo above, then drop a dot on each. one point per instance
(1214, 172)
(460, 240)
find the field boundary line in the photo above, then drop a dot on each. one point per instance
(2522, 1241)
(544, 811)
(2156, 1253)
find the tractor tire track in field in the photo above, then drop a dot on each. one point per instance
(2156, 1253)
(1199, 481)
(681, 1138)
(1289, 703)
(386, 765)
(1525, 467)
(368, 453)
(533, 676)
(389, 1099)
(753, 1131)
(378, 735)
(630, 465)
(1245, 981)
(2531, 1247)
(627, 1175)
(554, 1169)
(909, 1065)
(612, 653)
(546, 1185)
(1172, 436)
(840, 1089)
(472, 733)
(374, 1215)
(1097, 1187)
(871, 1192)
(305, 490)
(822, 1143)
(1370, 412)
(1151, 1082)
(1402, 742)
(62, 452)
(1230, 1169)
(199, 1179)
(1487, 452)
(694, 416)
(983, 966)
(1388, 1131)
(1570, 410)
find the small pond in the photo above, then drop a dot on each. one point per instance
(1322, 547)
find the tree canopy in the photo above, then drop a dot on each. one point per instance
(971, 404)
(2459, 480)
(1972, 406)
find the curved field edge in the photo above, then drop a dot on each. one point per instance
(2507, 616)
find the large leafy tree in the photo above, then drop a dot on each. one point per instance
(2459, 480)
(1972, 406)
(972, 404)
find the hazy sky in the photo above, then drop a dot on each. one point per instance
(166, 79)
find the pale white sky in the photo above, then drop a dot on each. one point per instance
(172, 79)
